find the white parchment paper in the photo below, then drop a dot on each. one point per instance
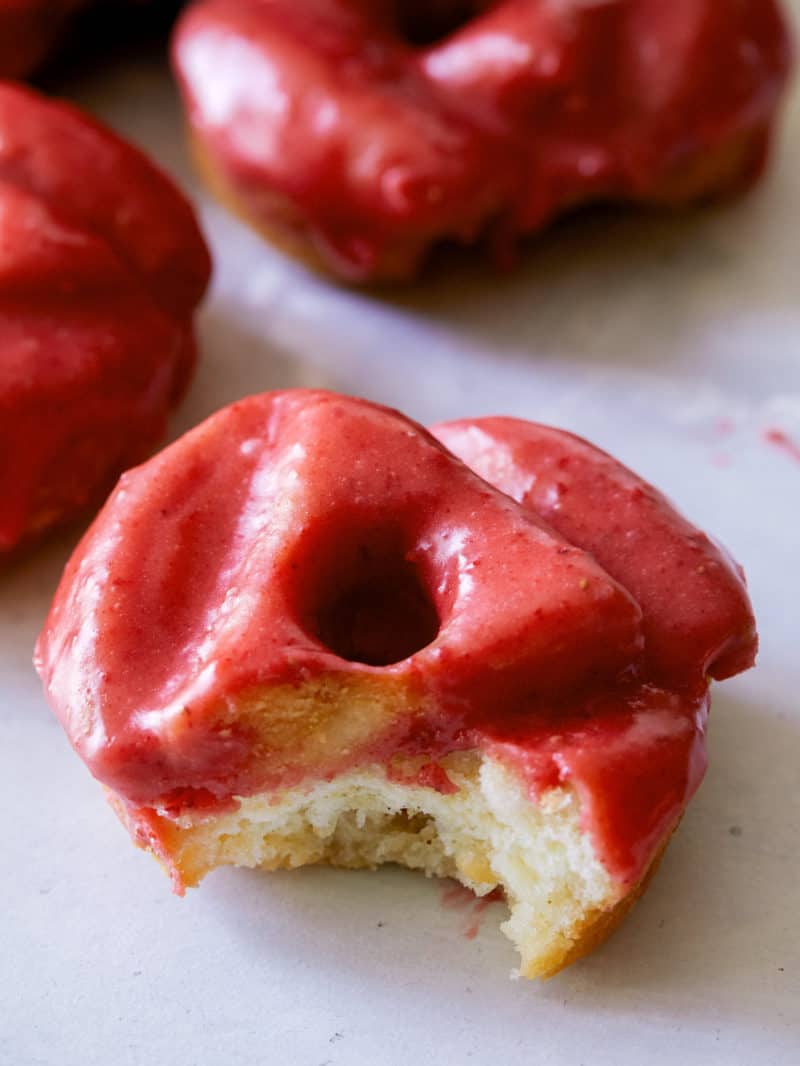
(674, 343)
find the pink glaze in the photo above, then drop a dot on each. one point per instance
(479, 909)
(216, 568)
(778, 439)
(101, 266)
(327, 115)
(689, 590)
(454, 897)
(696, 619)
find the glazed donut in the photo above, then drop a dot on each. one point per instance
(350, 648)
(101, 267)
(28, 31)
(359, 134)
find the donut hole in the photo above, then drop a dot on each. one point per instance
(379, 619)
(368, 600)
(424, 22)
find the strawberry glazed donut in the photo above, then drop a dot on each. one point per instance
(350, 648)
(29, 29)
(359, 134)
(101, 267)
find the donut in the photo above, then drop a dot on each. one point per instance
(358, 135)
(307, 632)
(101, 267)
(28, 31)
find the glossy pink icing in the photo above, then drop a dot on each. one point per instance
(688, 588)
(101, 267)
(638, 761)
(211, 572)
(328, 117)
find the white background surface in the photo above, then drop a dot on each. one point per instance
(639, 333)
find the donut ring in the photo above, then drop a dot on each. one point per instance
(101, 267)
(351, 648)
(333, 130)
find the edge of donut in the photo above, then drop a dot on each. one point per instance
(599, 925)
(728, 169)
(188, 847)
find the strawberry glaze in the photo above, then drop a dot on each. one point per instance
(211, 570)
(688, 589)
(330, 117)
(101, 267)
(778, 439)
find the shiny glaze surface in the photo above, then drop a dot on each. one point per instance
(640, 759)
(331, 118)
(208, 574)
(101, 266)
(687, 587)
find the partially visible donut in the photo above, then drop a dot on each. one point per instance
(350, 648)
(341, 130)
(101, 267)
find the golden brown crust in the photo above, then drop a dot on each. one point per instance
(718, 172)
(724, 170)
(566, 909)
(283, 232)
(598, 926)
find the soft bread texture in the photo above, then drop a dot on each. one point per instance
(487, 833)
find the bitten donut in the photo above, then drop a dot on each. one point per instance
(28, 31)
(307, 632)
(101, 267)
(359, 134)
